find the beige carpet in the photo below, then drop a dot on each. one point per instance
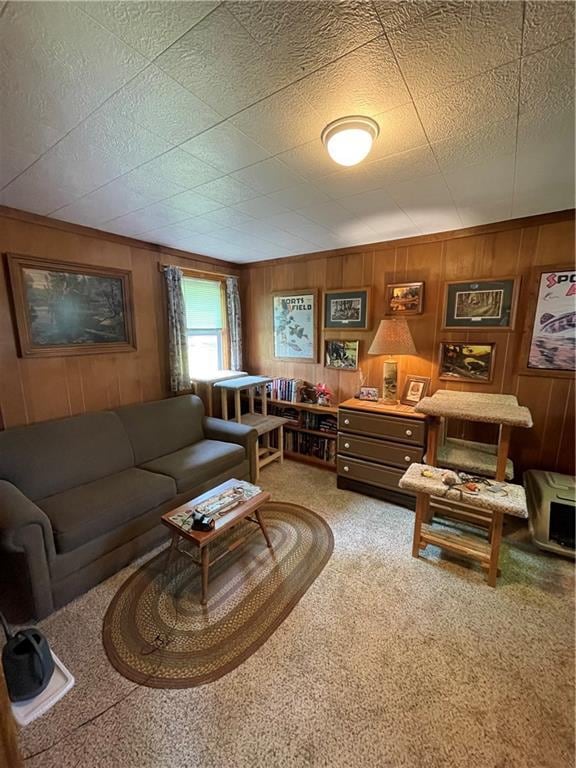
(386, 661)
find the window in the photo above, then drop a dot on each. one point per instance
(205, 324)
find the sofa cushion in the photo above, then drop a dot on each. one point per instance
(164, 426)
(91, 510)
(197, 463)
(52, 456)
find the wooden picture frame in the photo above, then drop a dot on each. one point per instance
(400, 299)
(352, 302)
(410, 396)
(464, 361)
(341, 354)
(64, 308)
(550, 322)
(495, 307)
(295, 335)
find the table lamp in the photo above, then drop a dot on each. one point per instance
(393, 337)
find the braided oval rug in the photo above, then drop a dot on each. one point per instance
(155, 631)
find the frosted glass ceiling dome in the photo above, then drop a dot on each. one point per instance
(349, 139)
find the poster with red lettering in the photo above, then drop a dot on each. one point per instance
(553, 341)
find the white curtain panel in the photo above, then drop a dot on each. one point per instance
(234, 322)
(177, 342)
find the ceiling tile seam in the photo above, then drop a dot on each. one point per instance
(419, 118)
(107, 99)
(517, 135)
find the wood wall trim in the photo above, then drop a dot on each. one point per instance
(78, 229)
(435, 237)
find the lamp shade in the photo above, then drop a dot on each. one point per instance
(393, 337)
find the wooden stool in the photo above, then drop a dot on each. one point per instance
(264, 424)
(512, 502)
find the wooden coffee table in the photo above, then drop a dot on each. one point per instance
(203, 539)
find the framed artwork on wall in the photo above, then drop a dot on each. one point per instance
(549, 340)
(415, 388)
(479, 304)
(340, 354)
(465, 361)
(64, 309)
(294, 325)
(347, 309)
(404, 299)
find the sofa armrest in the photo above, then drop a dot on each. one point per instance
(26, 530)
(232, 432)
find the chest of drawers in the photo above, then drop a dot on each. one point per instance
(376, 444)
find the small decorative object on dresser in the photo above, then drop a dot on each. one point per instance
(481, 304)
(63, 308)
(369, 393)
(342, 355)
(294, 325)
(404, 298)
(466, 362)
(393, 337)
(415, 388)
(347, 309)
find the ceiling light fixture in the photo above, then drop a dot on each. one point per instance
(349, 139)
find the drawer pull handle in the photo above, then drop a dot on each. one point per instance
(346, 445)
(409, 432)
(406, 458)
(346, 468)
(346, 421)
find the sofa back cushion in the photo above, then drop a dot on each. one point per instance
(53, 456)
(163, 426)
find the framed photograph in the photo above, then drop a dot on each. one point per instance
(481, 304)
(70, 309)
(415, 388)
(347, 309)
(464, 361)
(549, 340)
(342, 355)
(294, 325)
(369, 393)
(404, 298)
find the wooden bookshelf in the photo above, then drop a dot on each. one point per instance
(316, 432)
(304, 458)
(332, 409)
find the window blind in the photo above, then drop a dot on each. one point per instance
(203, 301)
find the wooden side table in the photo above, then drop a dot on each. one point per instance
(203, 386)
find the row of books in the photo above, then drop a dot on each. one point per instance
(284, 389)
(310, 445)
(319, 422)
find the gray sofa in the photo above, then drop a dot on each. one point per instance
(81, 497)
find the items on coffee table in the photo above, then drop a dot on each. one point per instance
(178, 521)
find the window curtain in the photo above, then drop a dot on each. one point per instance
(177, 342)
(234, 314)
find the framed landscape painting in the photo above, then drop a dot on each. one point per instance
(342, 355)
(294, 325)
(404, 298)
(347, 309)
(549, 341)
(464, 361)
(481, 304)
(70, 309)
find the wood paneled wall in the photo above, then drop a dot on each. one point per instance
(508, 248)
(35, 389)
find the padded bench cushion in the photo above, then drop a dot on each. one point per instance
(91, 510)
(197, 463)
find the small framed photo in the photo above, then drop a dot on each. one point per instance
(481, 304)
(463, 361)
(415, 388)
(342, 355)
(347, 309)
(369, 393)
(404, 298)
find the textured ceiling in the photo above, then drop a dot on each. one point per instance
(196, 124)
